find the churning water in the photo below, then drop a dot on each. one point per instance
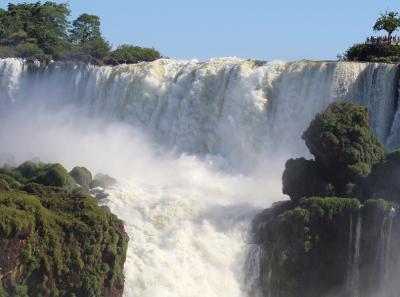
(198, 148)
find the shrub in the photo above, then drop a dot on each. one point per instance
(28, 169)
(55, 175)
(373, 53)
(134, 54)
(82, 176)
(344, 148)
(342, 143)
(7, 52)
(29, 50)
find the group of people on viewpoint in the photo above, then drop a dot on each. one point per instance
(392, 40)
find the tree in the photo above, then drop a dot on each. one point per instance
(344, 149)
(42, 31)
(86, 27)
(86, 36)
(96, 48)
(389, 22)
(133, 54)
(43, 24)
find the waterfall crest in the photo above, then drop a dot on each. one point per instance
(229, 107)
(230, 124)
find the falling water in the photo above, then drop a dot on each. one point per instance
(253, 278)
(198, 147)
(384, 255)
(350, 257)
(353, 277)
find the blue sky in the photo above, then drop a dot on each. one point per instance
(259, 29)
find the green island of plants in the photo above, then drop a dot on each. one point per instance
(43, 32)
(382, 48)
(55, 240)
(342, 210)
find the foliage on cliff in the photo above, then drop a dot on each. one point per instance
(381, 49)
(54, 238)
(43, 31)
(334, 246)
(309, 249)
(388, 22)
(373, 53)
(133, 54)
(307, 243)
(344, 148)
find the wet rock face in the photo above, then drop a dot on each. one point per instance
(54, 238)
(329, 247)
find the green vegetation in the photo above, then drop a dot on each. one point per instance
(133, 54)
(373, 53)
(344, 148)
(85, 28)
(43, 31)
(82, 176)
(388, 22)
(308, 247)
(336, 223)
(55, 239)
(379, 49)
(342, 143)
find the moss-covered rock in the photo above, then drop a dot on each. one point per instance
(97, 184)
(328, 247)
(345, 151)
(343, 144)
(302, 178)
(55, 240)
(28, 169)
(334, 246)
(103, 180)
(54, 175)
(82, 176)
(302, 242)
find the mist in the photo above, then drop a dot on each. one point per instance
(71, 137)
(187, 216)
(198, 150)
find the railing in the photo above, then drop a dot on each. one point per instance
(392, 40)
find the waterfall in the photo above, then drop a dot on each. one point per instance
(198, 148)
(353, 272)
(228, 107)
(356, 270)
(253, 281)
(350, 262)
(384, 255)
(386, 270)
